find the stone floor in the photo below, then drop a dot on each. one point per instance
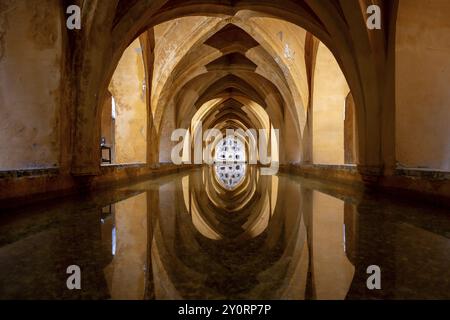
(184, 237)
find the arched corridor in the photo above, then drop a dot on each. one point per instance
(225, 149)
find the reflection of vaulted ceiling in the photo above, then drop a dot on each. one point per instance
(216, 227)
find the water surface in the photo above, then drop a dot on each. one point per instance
(189, 236)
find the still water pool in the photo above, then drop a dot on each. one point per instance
(189, 236)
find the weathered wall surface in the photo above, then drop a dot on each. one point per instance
(128, 89)
(30, 75)
(350, 142)
(330, 92)
(165, 143)
(107, 127)
(422, 84)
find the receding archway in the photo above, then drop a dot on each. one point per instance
(337, 39)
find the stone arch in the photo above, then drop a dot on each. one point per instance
(340, 27)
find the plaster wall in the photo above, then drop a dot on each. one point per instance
(128, 89)
(107, 121)
(108, 125)
(168, 126)
(422, 84)
(30, 79)
(330, 92)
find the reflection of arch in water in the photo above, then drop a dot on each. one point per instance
(253, 202)
(266, 258)
(304, 233)
(125, 275)
(231, 175)
(231, 200)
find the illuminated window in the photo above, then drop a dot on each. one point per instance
(230, 165)
(230, 149)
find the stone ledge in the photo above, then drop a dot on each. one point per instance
(338, 173)
(418, 173)
(426, 183)
(15, 174)
(341, 167)
(26, 186)
(124, 165)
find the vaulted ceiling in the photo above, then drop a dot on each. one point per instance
(230, 51)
